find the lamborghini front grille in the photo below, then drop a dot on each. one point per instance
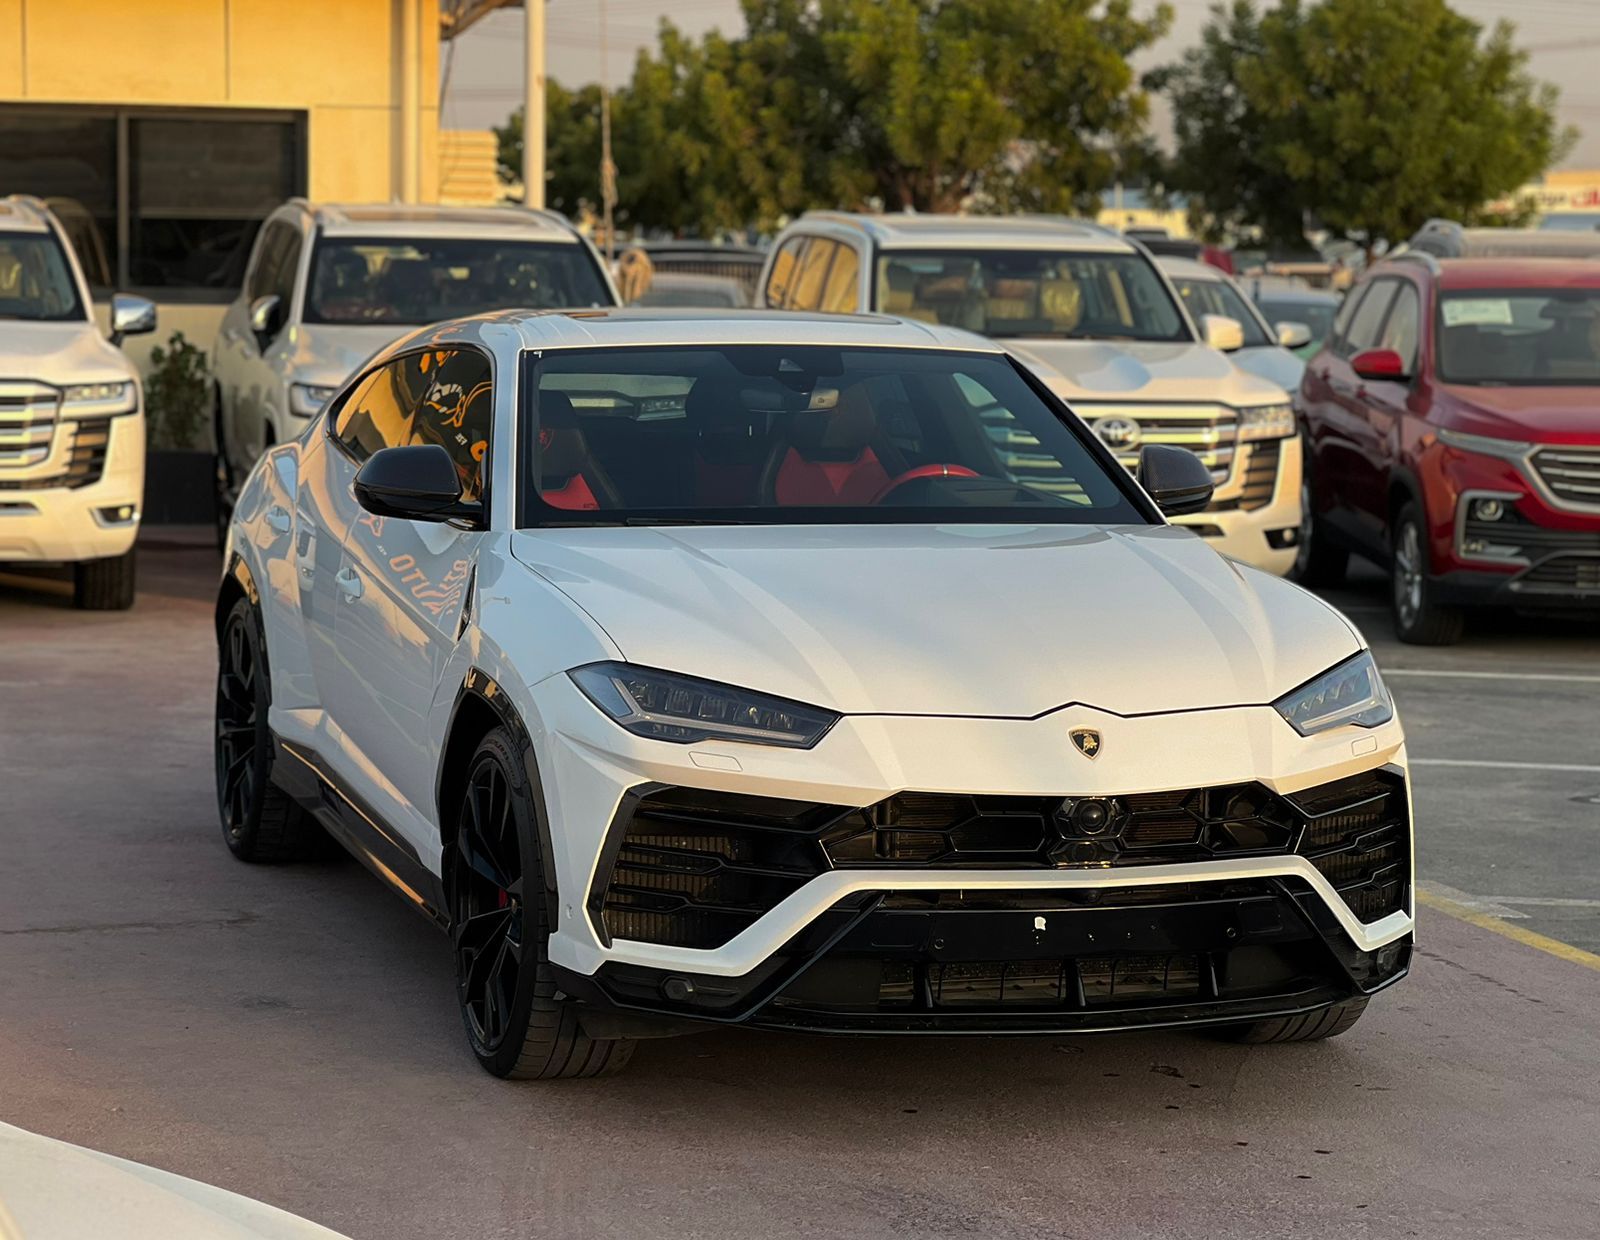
(693, 869)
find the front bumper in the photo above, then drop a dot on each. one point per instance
(42, 522)
(821, 951)
(1255, 516)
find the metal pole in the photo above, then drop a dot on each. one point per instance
(533, 107)
(608, 170)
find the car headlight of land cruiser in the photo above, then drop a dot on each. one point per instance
(1353, 692)
(306, 399)
(82, 398)
(1266, 422)
(667, 707)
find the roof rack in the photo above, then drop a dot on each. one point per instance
(1430, 261)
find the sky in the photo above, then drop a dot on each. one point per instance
(485, 76)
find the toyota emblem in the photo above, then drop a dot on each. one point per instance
(1118, 433)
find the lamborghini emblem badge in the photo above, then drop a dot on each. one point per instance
(1087, 740)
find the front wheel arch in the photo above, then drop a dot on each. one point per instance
(482, 705)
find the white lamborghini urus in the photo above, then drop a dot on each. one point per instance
(696, 668)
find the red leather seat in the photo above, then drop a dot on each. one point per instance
(832, 457)
(569, 476)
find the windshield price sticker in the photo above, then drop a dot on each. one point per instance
(1469, 311)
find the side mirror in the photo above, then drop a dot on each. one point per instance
(266, 317)
(1221, 333)
(1175, 478)
(416, 482)
(131, 316)
(1383, 365)
(1292, 335)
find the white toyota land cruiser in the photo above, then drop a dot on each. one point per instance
(71, 413)
(328, 285)
(1094, 317)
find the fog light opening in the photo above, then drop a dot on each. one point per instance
(1488, 509)
(117, 514)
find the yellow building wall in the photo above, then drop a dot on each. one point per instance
(364, 71)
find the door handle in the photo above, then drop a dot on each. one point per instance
(349, 584)
(278, 519)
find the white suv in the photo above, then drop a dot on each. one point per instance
(1094, 318)
(327, 286)
(71, 413)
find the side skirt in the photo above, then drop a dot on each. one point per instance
(301, 772)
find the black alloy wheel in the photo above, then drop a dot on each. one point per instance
(517, 1025)
(488, 907)
(259, 820)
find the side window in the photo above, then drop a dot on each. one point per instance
(1346, 312)
(378, 413)
(1363, 330)
(1404, 323)
(808, 283)
(456, 412)
(844, 281)
(781, 282)
(268, 253)
(284, 272)
(440, 397)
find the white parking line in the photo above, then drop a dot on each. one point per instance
(1454, 675)
(1543, 901)
(1508, 766)
(1477, 904)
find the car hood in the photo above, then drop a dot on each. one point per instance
(1089, 371)
(326, 354)
(1540, 414)
(60, 353)
(1273, 363)
(948, 620)
(51, 1188)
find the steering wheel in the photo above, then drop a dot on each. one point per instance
(923, 471)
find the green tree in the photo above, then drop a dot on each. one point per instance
(923, 104)
(572, 146)
(1366, 117)
(933, 104)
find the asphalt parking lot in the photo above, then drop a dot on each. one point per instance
(291, 1033)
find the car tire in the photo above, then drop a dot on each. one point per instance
(1328, 1022)
(106, 584)
(1317, 562)
(260, 821)
(1418, 619)
(500, 928)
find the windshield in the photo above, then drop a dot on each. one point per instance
(1526, 337)
(805, 435)
(1004, 293)
(424, 280)
(36, 280)
(1217, 297)
(1316, 315)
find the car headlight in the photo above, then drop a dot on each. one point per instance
(1353, 693)
(1266, 422)
(1505, 449)
(306, 399)
(666, 707)
(118, 396)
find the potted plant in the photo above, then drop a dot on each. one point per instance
(178, 480)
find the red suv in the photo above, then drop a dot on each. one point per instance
(1452, 431)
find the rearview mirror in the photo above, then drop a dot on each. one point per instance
(1383, 365)
(131, 316)
(266, 316)
(1292, 335)
(1222, 333)
(416, 482)
(1177, 479)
